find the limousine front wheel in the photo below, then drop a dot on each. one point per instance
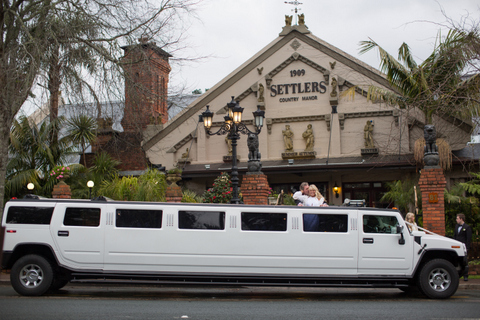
(31, 275)
(438, 279)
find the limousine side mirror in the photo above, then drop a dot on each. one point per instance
(402, 239)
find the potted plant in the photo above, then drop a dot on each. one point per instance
(174, 175)
(60, 173)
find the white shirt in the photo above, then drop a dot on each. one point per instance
(314, 202)
(300, 197)
(413, 227)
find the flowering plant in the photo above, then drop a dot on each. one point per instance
(60, 172)
(273, 193)
(221, 191)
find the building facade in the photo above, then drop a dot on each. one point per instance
(313, 131)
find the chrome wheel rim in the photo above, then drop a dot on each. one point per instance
(31, 276)
(439, 279)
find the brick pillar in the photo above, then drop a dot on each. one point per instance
(432, 184)
(255, 189)
(61, 191)
(173, 193)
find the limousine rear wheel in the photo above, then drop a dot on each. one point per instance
(438, 279)
(31, 275)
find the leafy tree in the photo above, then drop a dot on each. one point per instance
(104, 169)
(35, 35)
(32, 156)
(221, 191)
(66, 59)
(457, 202)
(78, 182)
(472, 186)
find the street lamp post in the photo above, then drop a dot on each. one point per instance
(232, 126)
(90, 185)
(30, 195)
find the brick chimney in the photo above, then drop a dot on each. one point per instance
(147, 71)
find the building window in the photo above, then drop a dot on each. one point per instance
(127, 218)
(83, 217)
(256, 221)
(210, 220)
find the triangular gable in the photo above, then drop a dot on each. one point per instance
(254, 62)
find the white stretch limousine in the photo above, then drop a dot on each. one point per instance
(51, 242)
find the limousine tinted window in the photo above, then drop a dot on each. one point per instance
(325, 222)
(379, 224)
(84, 217)
(257, 221)
(29, 215)
(211, 220)
(128, 218)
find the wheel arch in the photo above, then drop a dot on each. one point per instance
(428, 255)
(23, 249)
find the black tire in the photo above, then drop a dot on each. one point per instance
(59, 282)
(31, 275)
(438, 279)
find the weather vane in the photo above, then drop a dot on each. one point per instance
(296, 4)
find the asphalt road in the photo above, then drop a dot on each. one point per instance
(156, 302)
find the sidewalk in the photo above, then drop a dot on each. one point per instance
(471, 284)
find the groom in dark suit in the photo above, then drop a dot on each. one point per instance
(463, 233)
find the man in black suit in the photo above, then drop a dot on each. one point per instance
(463, 233)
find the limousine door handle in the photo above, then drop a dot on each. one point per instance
(367, 240)
(62, 233)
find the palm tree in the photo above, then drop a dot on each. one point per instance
(401, 193)
(32, 156)
(437, 86)
(104, 167)
(81, 131)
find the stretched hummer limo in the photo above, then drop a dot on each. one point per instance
(50, 242)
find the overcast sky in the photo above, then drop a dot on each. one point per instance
(232, 31)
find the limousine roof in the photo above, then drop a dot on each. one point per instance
(202, 205)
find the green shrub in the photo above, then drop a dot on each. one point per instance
(191, 197)
(288, 200)
(221, 191)
(150, 186)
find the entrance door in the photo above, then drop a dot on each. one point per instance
(371, 192)
(379, 249)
